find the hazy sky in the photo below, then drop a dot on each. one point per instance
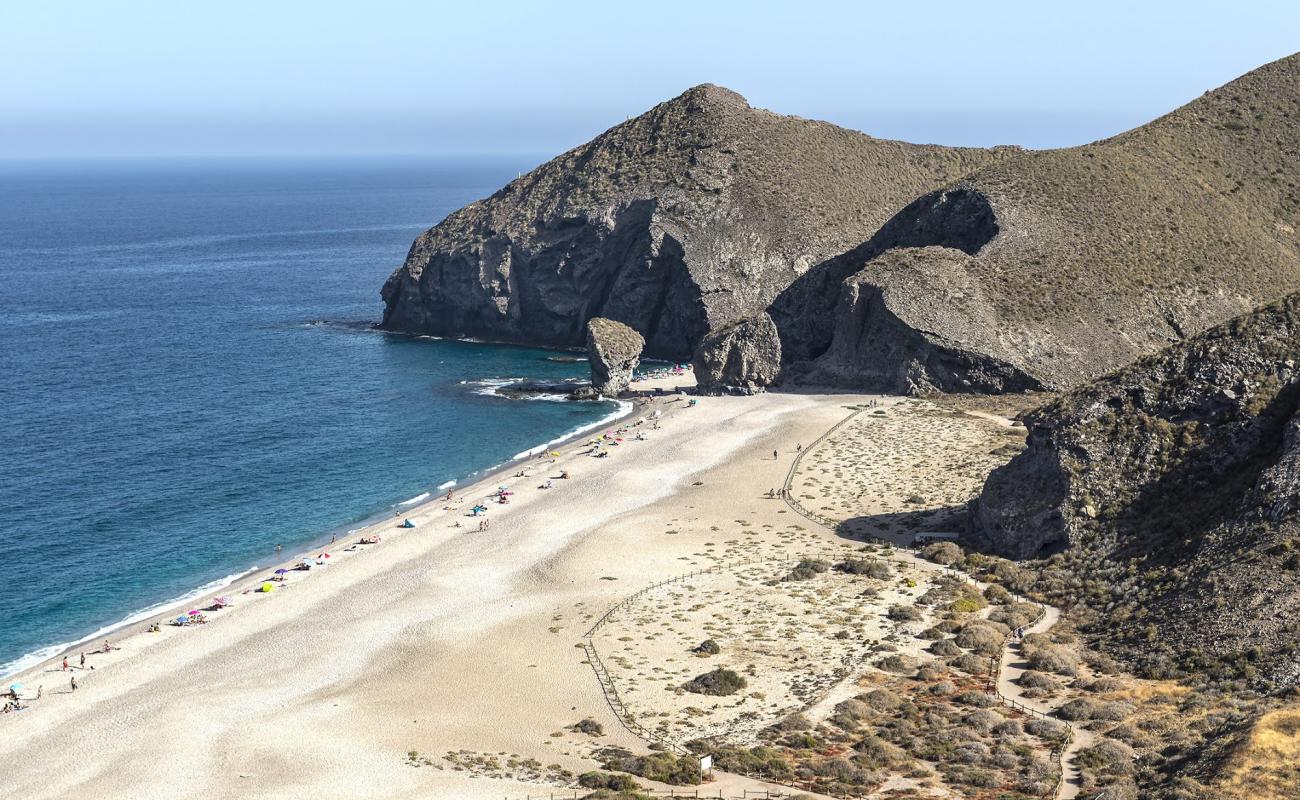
(481, 76)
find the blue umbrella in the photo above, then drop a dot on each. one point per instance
(16, 687)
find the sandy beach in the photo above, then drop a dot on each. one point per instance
(438, 639)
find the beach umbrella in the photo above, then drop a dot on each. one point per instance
(222, 600)
(324, 555)
(194, 612)
(281, 571)
(268, 587)
(16, 687)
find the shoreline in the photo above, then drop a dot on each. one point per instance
(139, 620)
(440, 639)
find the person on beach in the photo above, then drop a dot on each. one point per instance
(65, 663)
(40, 690)
(83, 660)
(74, 683)
(774, 455)
(334, 537)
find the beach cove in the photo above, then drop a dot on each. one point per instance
(438, 638)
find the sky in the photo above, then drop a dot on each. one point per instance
(281, 77)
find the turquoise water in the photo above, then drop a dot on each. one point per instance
(188, 376)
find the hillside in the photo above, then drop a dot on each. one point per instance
(1173, 488)
(689, 217)
(1054, 267)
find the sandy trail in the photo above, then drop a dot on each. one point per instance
(437, 639)
(901, 422)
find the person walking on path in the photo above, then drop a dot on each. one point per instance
(774, 455)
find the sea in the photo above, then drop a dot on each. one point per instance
(190, 376)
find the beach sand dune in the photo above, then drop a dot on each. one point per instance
(438, 639)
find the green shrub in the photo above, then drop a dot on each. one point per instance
(947, 553)
(806, 569)
(902, 613)
(708, 647)
(997, 594)
(967, 604)
(607, 780)
(868, 567)
(719, 682)
(663, 767)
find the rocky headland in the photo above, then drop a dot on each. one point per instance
(774, 249)
(1175, 483)
(677, 223)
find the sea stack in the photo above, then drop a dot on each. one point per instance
(743, 358)
(614, 350)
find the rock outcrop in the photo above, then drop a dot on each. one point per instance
(614, 350)
(744, 357)
(1052, 268)
(677, 223)
(1177, 481)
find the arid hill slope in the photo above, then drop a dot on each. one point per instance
(1054, 267)
(684, 219)
(1175, 485)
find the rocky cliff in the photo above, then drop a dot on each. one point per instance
(1176, 481)
(614, 350)
(679, 222)
(1052, 268)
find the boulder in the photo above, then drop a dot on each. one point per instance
(614, 350)
(744, 357)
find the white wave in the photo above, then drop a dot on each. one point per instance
(446, 485)
(416, 499)
(623, 408)
(37, 656)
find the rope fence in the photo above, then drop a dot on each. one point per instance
(996, 670)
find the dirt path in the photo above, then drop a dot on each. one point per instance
(1011, 666)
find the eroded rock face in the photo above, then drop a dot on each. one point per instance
(679, 222)
(614, 351)
(1185, 466)
(1074, 262)
(745, 357)
(914, 322)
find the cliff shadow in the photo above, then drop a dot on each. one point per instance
(902, 527)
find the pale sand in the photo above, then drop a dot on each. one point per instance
(904, 467)
(781, 636)
(437, 639)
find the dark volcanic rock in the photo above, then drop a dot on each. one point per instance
(679, 222)
(1052, 268)
(891, 335)
(1186, 466)
(614, 350)
(744, 357)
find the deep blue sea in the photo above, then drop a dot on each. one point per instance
(188, 377)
